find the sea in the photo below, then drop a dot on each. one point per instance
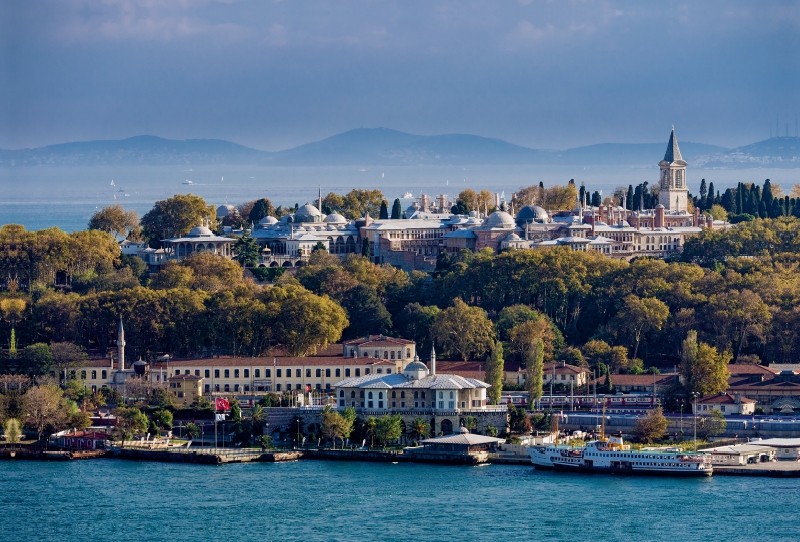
(66, 196)
(110, 499)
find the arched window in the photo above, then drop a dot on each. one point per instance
(352, 395)
(394, 394)
(341, 393)
(380, 395)
(416, 395)
(441, 395)
(369, 395)
(402, 395)
(451, 395)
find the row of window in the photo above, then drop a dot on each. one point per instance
(386, 354)
(417, 404)
(245, 373)
(73, 375)
(246, 387)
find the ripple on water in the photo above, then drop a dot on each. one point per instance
(317, 500)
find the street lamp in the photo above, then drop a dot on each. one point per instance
(681, 417)
(695, 394)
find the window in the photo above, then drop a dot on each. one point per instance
(379, 371)
(441, 404)
(451, 395)
(402, 404)
(338, 372)
(298, 373)
(94, 375)
(227, 373)
(394, 404)
(278, 372)
(392, 354)
(103, 374)
(380, 395)
(352, 395)
(361, 394)
(380, 404)
(408, 353)
(388, 371)
(369, 395)
(423, 396)
(377, 354)
(318, 386)
(327, 385)
(319, 373)
(216, 387)
(369, 404)
(247, 373)
(394, 395)
(297, 386)
(463, 404)
(328, 373)
(208, 388)
(341, 393)
(268, 373)
(346, 371)
(227, 387)
(236, 387)
(83, 375)
(208, 373)
(277, 387)
(366, 370)
(441, 395)
(385, 354)
(358, 371)
(308, 373)
(257, 373)
(341, 402)
(402, 395)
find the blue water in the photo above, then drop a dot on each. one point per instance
(316, 500)
(67, 196)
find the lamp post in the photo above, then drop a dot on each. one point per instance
(681, 417)
(695, 394)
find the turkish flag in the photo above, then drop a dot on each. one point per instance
(222, 403)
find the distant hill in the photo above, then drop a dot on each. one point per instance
(382, 146)
(139, 150)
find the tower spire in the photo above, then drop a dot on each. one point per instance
(673, 152)
(433, 360)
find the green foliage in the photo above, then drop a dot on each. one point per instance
(397, 209)
(162, 418)
(534, 371)
(114, 220)
(652, 426)
(192, 430)
(246, 250)
(388, 428)
(711, 425)
(463, 331)
(129, 422)
(268, 274)
(495, 369)
(261, 207)
(12, 431)
(175, 216)
(518, 421)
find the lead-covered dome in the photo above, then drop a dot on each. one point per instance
(307, 213)
(335, 218)
(499, 219)
(201, 231)
(532, 213)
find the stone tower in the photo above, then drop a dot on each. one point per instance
(121, 345)
(672, 190)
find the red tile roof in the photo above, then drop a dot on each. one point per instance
(274, 362)
(723, 399)
(737, 369)
(377, 340)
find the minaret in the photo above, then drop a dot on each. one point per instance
(433, 360)
(121, 345)
(320, 198)
(673, 192)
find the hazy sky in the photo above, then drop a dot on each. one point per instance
(274, 74)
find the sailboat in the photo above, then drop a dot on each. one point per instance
(112, 182)
(382, 175)
(222, 180)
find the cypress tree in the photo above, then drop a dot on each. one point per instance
(729, 201)
(766, 197)
(777, 208)
(596, 201)
(397, 209)
(709, 200)
(739, 204)
(629, 198)
(703, 194)
(384, 214)
(365, 248)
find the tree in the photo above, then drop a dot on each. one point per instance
(638, 317)
(384, 212)
(12, 431)
(419, 429)
(66, 355)
(129, 422)
(114, 220)
(397, 209)
(192, 430)
(415, 322)
(704, 370)
(652, 426)
(163, 419)
(247, 250)
(388, 428)
(534, 372)
(369, 427)
(469, 198)
(718, 212)
(334, 425)
(265, 441)
(45, 407)
(494, 372)
(742, 315)
(261, 207)
(175, 216)
(365, 312)
(365, 251)
(37, 359)
(518, 421)
(711, 424)
(464, 330)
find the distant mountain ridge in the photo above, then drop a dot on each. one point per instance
(382, 146)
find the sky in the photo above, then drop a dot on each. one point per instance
(276, 74)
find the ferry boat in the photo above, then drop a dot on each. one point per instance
(611, 455)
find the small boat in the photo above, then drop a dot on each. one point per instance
(120, 190)
(408, 195)
(187, 181)
(112, 182)
(127, 195)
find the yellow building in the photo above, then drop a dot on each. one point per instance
(186, 388)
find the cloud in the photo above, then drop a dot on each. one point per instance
(526, 34)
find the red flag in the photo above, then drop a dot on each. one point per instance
(308, 387)
(222, 403)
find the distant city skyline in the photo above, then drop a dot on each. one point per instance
(274, 75)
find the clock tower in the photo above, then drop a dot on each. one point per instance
(672, 190)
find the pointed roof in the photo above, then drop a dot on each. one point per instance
(673, 153)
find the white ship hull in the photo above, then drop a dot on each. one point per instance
(619, 461)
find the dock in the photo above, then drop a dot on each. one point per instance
(772, 469)
(205, 456)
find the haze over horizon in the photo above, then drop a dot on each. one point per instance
(274, 75)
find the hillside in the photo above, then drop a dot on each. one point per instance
(382, 146)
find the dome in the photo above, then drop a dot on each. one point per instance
(307, 213)
(268, 221)
(201, 231)
(513, 237)
(287, 218)
(416, 369)
(335, 218)
(499, 219)
(532, 213)
(225, 210)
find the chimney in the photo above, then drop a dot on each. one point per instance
(433, 360)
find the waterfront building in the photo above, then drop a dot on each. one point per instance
(726, 403)
(741, 454)
(462, 443)
(786, 449)
(420, 392)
